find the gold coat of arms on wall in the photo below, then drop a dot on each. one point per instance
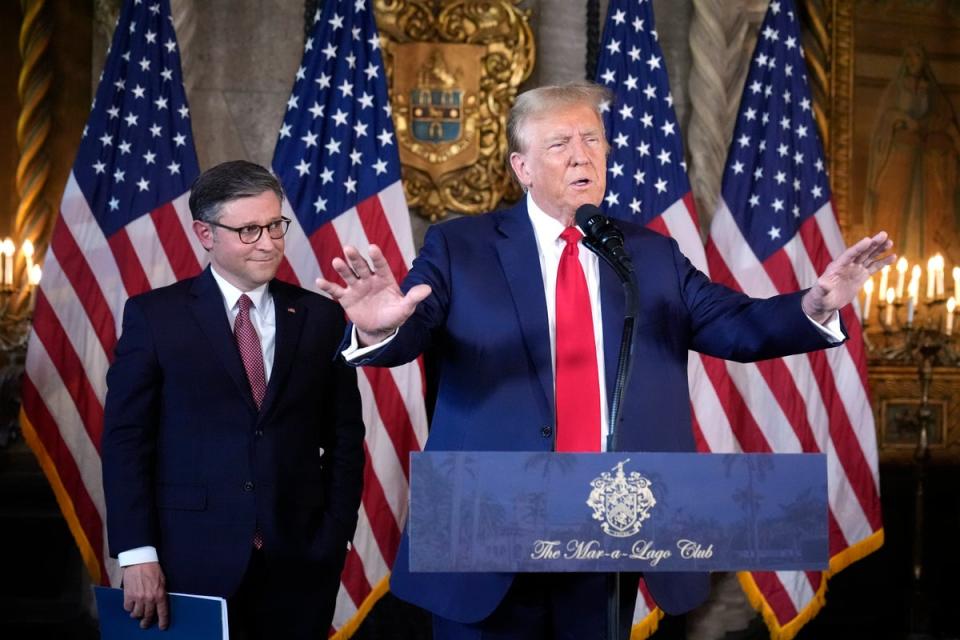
(453, 70)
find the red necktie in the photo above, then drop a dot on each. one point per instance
(578, 387)
(248, 342)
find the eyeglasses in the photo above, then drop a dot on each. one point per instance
(250, 233)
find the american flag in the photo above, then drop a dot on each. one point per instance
(337, 158)
(773, 232)
(124, 228)
(647, 176)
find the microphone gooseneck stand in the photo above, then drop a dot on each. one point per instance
(624, 271)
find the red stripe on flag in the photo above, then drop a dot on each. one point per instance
(791, 401)
(393, 413)
(701, 442)
(286, 273)
(814, 243)
(744, 426)
(175, 242)
(658, 225)
(776, 596)
(353, 578)
(780, 271)
(377, 228)
(49, 434)
(68, 365)
(718, 268)
(128, 262)
(326, 246)
(845, 441)
(838, 541)
(85, 286)
(691, 206)
(815, 578)
(645, 593)
(383, 523)
(854, 345)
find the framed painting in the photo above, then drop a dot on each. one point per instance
(887, 76)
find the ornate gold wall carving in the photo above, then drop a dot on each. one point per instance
(828, 44)
(33, 129)
(896, 397)
(461, 167)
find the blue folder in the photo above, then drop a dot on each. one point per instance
(191, 618)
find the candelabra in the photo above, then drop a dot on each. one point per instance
(920, 336)
(16, 307)
(910, 343)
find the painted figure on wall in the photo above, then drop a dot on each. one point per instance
(913, 187)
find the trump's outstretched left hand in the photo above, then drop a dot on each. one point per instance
(840, 282)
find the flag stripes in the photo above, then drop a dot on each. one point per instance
(123, 228)
(773, 232)
(337, 159)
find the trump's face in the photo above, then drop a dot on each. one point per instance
(245, 266)
(564, 161)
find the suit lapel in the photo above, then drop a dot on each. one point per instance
(290, 318)
(517, 249)
(207, 308)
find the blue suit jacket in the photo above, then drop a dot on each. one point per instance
(191, 467)
(487, 318)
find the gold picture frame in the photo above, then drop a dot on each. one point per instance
(885, 76)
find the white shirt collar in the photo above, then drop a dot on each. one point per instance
(231, 294)
(546, 228)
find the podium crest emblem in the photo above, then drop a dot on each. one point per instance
(621, 500)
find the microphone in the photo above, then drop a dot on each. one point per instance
(604, 238)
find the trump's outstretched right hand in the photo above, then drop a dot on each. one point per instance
(371, 297)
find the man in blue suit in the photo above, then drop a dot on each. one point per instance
(493, 295)
(233, 440)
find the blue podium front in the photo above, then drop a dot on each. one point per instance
(549, 512)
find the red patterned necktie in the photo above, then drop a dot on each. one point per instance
(578, 387)
(248, 342)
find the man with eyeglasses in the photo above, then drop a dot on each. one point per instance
(233, 440)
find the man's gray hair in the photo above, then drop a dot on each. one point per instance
(227, 182)
(536, 102)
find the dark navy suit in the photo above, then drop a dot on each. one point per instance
(191, 467)
(487, 319)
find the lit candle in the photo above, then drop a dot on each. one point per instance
(915, 278)
(931, 278)
(7, 248)
(33, 279)
(884, 276)
(951, 307)
(939, 272)
(867, 294)
(901, 275)
(889, 315)
(913, 291)
(956, 282)
(27, 251)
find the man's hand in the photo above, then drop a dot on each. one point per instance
(840, 282)
(371, 298)
(145, 594)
